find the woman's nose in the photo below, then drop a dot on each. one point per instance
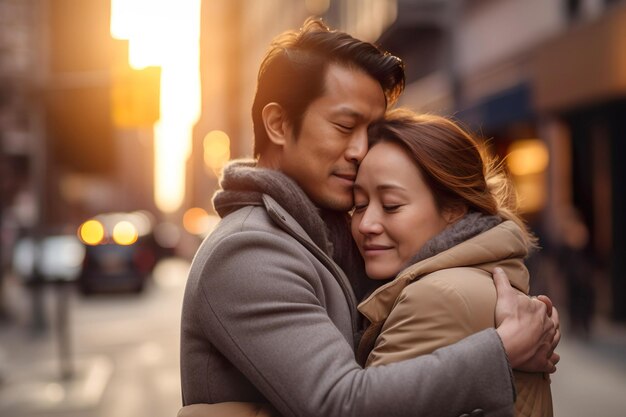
(369, 223)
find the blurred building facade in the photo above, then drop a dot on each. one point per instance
(542, 81)
(58, 74)
(18, 125)
(63, 156)
(545, 82)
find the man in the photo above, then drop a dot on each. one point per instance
(268, 314)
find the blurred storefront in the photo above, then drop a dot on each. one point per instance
(545, 84)
(68, 155)
(579, 81)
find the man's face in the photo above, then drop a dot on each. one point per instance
(324, 158)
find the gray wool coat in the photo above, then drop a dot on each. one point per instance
(268, 316)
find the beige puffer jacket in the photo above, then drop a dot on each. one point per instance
(446, 297)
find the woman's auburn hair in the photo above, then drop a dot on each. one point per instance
(456, 167)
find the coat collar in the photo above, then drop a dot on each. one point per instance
(285, 221)
(244, 184)
(501, 246)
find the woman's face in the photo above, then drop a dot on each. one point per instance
(395, 211)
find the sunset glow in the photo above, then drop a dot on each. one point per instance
(166, 33)
(216, 151)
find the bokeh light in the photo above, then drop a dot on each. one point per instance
(216, 150)
(527, 161)
(91, 232)
(125, 233)
(529, 156)
(166, 33)
(195, 220)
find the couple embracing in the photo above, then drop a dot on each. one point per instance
(369, 262)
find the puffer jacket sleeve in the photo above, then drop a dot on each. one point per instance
(255, 296)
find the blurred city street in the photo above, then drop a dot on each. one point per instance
(125, 359)
(117, 118)
(124, 349)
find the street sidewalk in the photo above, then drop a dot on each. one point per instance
(591, 376)
(137, 375)
(35, 380)
(124, 354)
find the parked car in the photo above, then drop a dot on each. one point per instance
(120, 253)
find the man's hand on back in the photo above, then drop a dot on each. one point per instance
(528, 327)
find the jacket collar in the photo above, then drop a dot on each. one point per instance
(501, 246)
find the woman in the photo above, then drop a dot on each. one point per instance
(433, 212)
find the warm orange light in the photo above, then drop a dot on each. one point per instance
(125, 233)
(91, 232)
(123, 12)
(527, 161)
(216, 150)
(529, 156)
(531, 190)
(166, 33)
(194, 220)
(141, 23)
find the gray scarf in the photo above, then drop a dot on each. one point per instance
(470, 225)
(243, 184)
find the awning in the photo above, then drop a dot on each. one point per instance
(583, 66)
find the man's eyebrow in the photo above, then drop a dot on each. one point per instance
(346, 111)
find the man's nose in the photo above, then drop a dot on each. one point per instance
(357, 148)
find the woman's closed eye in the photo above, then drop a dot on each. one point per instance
(359, 207)
(390, 208)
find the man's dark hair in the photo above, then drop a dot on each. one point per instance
(293, 72)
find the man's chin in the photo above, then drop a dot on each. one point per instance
(337, 203)
(340, 206)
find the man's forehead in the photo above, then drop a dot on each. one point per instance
(336, 73)
(351, 92)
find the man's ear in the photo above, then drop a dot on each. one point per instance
(453, 213)
(276, 124)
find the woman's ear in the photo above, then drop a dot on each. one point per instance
(454, 213)
(275, 121)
